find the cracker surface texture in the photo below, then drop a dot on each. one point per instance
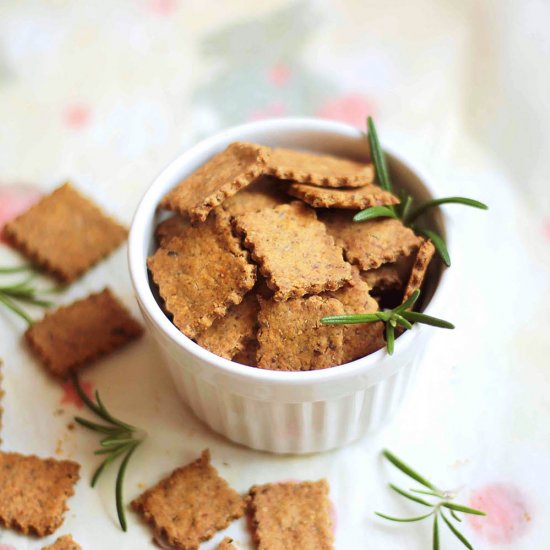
(65, 542)
(226, 544)
(221, 177)
(420, 267)
(65, 234)
(248, 355)
(291, 516)
(372, 243)
(34, 492)
(190, 505)
(75, 335)
(390, 276)
(293, 249)
(322, 170)
(202, 273)
(175, 226)
(292, 338)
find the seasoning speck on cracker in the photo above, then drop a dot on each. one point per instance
(190, 505)
(74, 335)
(65, 542)
(65, 233)
(34, 492)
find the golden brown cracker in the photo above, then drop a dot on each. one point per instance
(221, 177)
(292, 338)
(389, 277)
(420, 267)
(65, 233)
(65, 542)
(190, 505)
(74, 335)
(292, 515)
(349, 198)
(293, 249)
(229, 334)
(202, 273)
(226, 544)
(248, 355)
(175, 226)
(34, 492)
(372, 243)
(323, 170)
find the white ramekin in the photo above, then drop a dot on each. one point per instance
(280, 412)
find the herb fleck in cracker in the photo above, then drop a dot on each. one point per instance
(65, 542)
(322, 170)
(293, 249)
(226, 544)
(74, 335)
(65, 233)
(362, 197)
(202, 273)
(372, 243)
(175, 226)
(291, 516)
(34, 492)
(292, 338)
(222, 176)
(190, 505)
(420, 267)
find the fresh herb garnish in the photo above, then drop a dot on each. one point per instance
(404, 210)
(444, 502)
(120, 439)
(399, 316)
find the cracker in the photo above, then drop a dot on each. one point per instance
(65, 542)
(248, 355)
(360, 339)
(292, 515)
(65, 233)
(226, 544)
(265, 192)
(322, 197)
(292, 338)
(175, 226)
(221, 177)
(72, 336)
(389, 277)
(372, 243)
(293, 249)
(420, 267)
(229, 335)
(202, 273)
(323, 170)
(34, 492)
(190, 505)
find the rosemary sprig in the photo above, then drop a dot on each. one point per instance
(399, 316)
(119, 439)
(404, 210)
(444, 501)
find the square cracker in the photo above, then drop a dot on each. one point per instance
(349, 198)
(175, 226)
(190, 505)
(226, 544)
(34, 492)
(222, 176)
(292, 338)
(65, 233)
(372, 243)
(65, 542)
(291, 516)
(420, 267)
(74, 335)
(323, 170)
(293, 249)
(201, 273)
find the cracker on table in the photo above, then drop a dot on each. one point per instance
(248, 355)
(175, 226)
(349, 198)
(65, 233)
(293, 249)
(372, 243)
(72, 336)
(265, 192)
(65, 542)
(322, 170)
(292, 515)
(229, 334)
(292, 338)
(222, 176)
(420, 267)
(202, 273)
(34, 492)
(190, 505)
(226, 544)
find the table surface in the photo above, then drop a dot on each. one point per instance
(107, 93)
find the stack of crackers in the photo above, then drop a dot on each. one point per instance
(247, 271)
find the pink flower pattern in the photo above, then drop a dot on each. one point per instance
(351, 108)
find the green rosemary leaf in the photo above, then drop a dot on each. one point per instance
(30, 299)
(408, 303)
(374, 212)
(111, 458)
(445, 200)
(100, 428)
(407, 470)
(390, 338)
(430, 493)
(403, 322)
(436, 534)
(404, 520)
(120, 486)
(108, 415)
(111, 442)
(378, 158)
(350, 319)
(109, 450)
(405, 207)
(409, 496)
(457, 533)
(456, 516)
(462, 508)
(16, 269)
(88, 402)
(15, 309)
(416, 317)
(439, 244)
